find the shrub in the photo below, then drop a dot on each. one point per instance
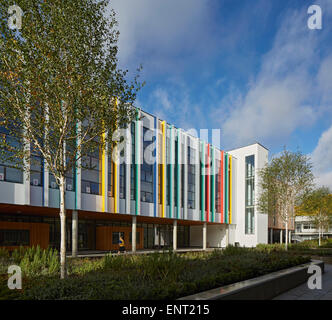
(158, 276)
(35, 261)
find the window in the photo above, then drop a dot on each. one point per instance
(250, 194)
(298, 227)
(168, 170)
(14, 237)
(133, 164)
(91, 173)
(191, 177)
(110, 177)
(176, 173)
(36, 170)
(137, 237)
(70, 182)
(7, 171)
(116, 237)
(217, 187)
(122, 181)
(10, 174)
(160, 183)
(146, 172)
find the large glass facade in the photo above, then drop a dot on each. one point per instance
(250, 195)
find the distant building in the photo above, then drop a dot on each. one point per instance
(305, 229)
(277, 229)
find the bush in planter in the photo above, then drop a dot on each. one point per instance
(37, 262)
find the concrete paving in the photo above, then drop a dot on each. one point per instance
(303, 292)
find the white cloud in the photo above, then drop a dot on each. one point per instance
(286, 92)
(159, 33)
(322, 159)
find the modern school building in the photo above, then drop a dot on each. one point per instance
(173, 190)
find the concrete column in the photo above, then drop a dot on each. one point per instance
(175, 234)
(74, 224)
(227, 235)
(133, 235)
(281, 236)
(204, 236)
(271, 235)
(290, 237)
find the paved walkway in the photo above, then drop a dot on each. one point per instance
(302, 292)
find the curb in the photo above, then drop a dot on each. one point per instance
(264, 287)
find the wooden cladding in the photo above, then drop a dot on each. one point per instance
(104, 237)
(39, 233)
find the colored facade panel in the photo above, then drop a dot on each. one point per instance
(203, 182)
(221, 188)
(171, 187)
(178, 174)
(155, 170)
(208, 184)
(230, 189)
(213, 183)
(174, 180)
(163, 202)
(103, 175)
(226, 188)
(137, 164)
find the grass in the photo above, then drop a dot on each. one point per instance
(154, 276)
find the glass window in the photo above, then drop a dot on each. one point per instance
(116, 237)
(298, 227)
(146, 170)
(14, 237)
(250, 194)
(133, 164)
(176, 173)
(191, 177)
(36, 170)
(91, 174)
(7, 171)
(122, 181)
(137, 237)
(110, 177)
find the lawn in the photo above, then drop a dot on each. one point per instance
(155, 276)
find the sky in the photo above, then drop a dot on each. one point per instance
(251, 68)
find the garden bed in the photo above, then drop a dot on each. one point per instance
(154, 276)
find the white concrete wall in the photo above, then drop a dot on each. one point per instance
(13, 193)
(216, 236)
(261, 220)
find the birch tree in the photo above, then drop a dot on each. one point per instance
(284, 182)
(62, 92)
(317, 205)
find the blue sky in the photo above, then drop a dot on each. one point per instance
(251, 68)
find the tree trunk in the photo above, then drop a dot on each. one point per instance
(63, 228)
(319, 235)
(286, 242)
